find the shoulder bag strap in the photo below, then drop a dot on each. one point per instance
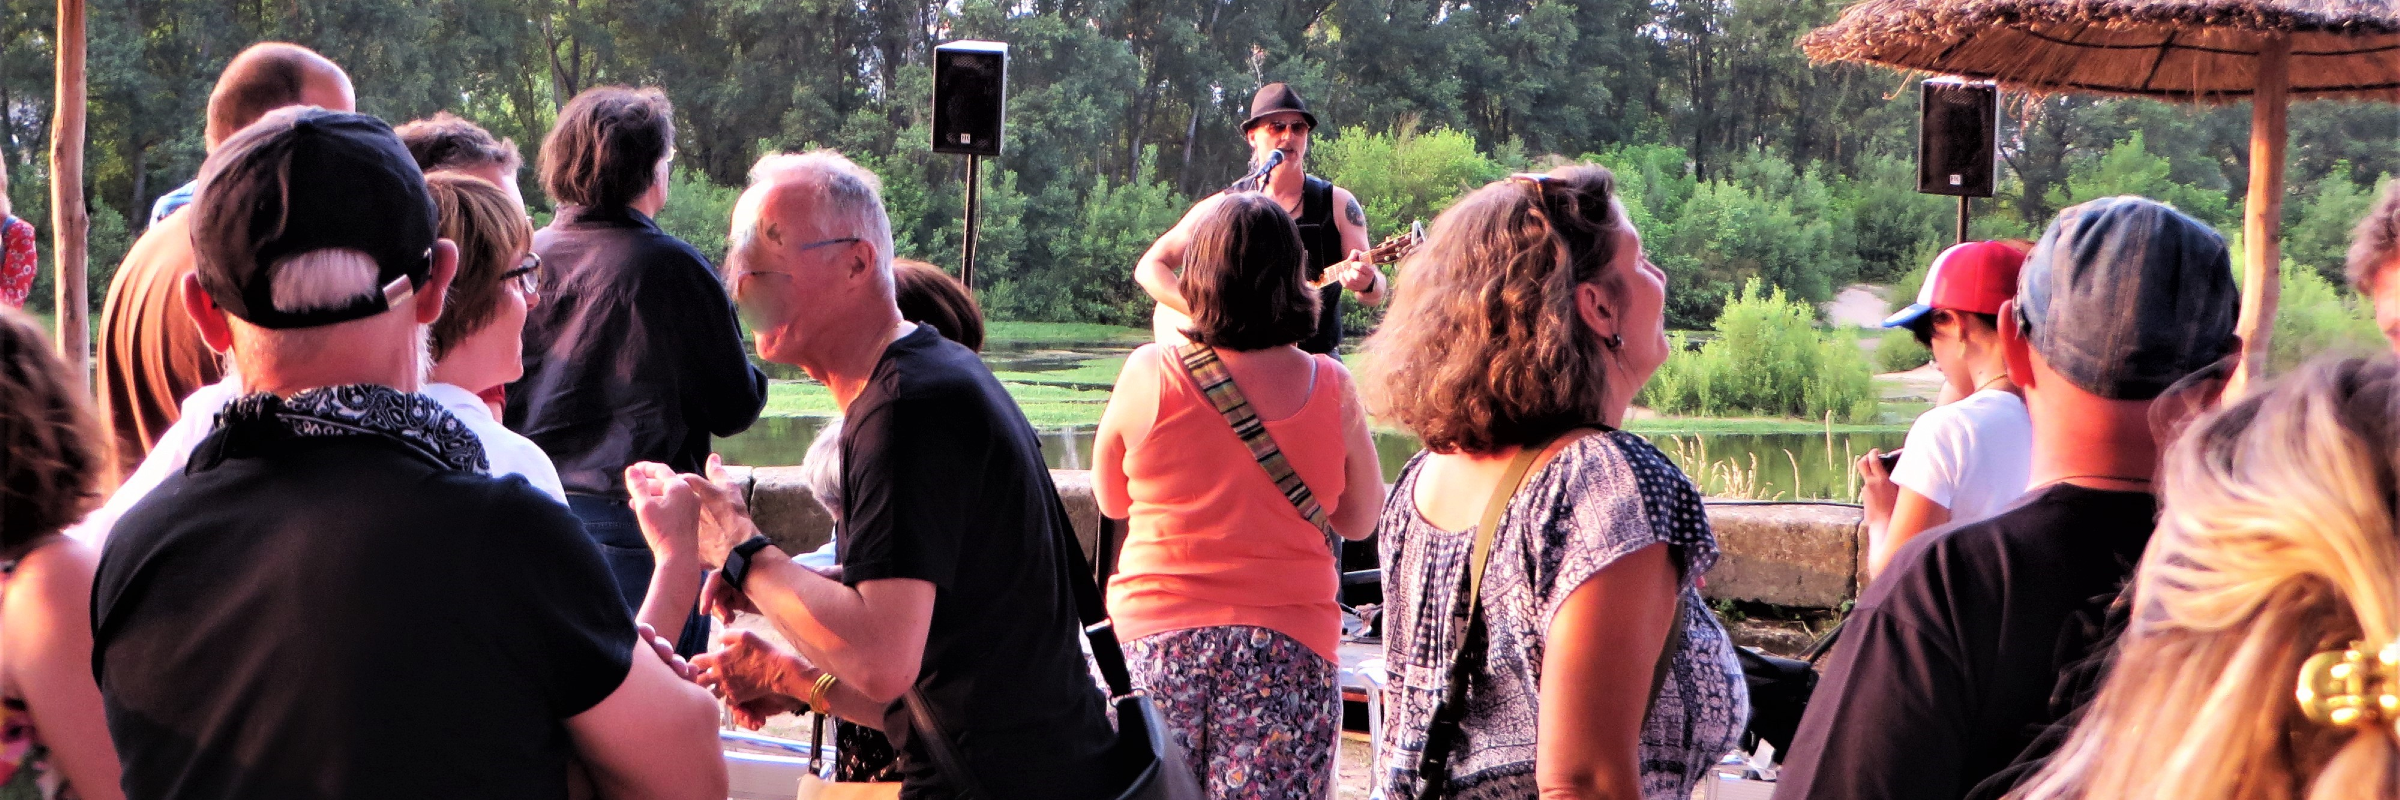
(1209, 373)
(1433, 771)
(1433, 768)
(927, 728)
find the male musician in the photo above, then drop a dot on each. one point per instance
(1332, 225)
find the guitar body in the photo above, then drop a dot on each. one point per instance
(1167, 324)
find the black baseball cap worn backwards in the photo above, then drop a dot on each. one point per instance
(306, 179)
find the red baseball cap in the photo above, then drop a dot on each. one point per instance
(1975, 277)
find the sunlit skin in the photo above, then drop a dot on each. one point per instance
(2383, 288)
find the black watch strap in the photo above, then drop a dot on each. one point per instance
(737, 563)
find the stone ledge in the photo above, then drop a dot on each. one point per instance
(1790, 554)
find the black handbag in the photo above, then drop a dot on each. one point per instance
(1155, 764)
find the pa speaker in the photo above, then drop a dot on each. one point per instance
(970, 97)
(1958, 138)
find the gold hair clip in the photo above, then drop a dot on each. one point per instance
(2353, 687)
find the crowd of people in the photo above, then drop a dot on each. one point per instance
(387, 493)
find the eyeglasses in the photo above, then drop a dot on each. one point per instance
(741, 278)
(527, 275)
(1286, 126)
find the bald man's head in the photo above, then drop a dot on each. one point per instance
(272, 75)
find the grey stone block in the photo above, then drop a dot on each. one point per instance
(1792, 554)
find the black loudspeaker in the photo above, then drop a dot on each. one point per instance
(1958, 138)
(970, 97)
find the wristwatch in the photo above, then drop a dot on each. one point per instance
(737, 563)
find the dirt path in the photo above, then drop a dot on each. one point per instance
(1857, 305)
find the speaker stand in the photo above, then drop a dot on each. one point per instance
(966, 250)
(1962, 219)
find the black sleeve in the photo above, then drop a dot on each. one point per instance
(555, 603)
(1888, 720)
(909, 474)
(722, 392)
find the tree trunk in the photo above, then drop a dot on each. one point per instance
(2262, 214)
(69, 223)
(139, 211)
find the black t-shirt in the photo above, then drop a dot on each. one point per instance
(345, 617)
(943, 482)
(1946, 670)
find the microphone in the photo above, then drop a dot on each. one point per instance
(1257, 181)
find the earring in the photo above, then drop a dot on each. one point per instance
(1615, 341)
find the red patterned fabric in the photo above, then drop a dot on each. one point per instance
(19, 265)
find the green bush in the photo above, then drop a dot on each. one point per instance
(1768, 359)
(1898, 351)
(698, 212)
(2314, 317)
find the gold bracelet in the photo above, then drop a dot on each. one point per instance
(816, 696)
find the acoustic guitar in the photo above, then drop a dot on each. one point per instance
(1167, 324)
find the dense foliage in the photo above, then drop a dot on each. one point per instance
(1741, 160)
(1768, 358)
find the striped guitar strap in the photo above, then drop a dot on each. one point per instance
(1209, 374)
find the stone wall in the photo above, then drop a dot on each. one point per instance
(1792, 554)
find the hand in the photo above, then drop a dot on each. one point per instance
(754, 677)
(724, 513)
(1876, 491)
(668, 509)
(719, 599)
(666, 652)
(1348, 271)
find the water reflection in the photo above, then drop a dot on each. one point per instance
(1761, 465)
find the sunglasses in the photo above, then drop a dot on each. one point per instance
(527, 276)
(1286, 126)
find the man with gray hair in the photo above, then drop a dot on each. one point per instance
(333, 599)
(953, 588)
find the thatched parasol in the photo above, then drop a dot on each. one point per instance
(2266, 51)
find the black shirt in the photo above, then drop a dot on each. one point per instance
(346, 617)
(631, 355)
(1323, 240)
(1945, 671)
(943, 482)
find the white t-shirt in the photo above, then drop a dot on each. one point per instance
(508, 452)
(1972, 456)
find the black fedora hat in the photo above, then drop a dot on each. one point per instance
(1274, 98)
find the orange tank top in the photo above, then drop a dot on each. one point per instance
(1210, 541)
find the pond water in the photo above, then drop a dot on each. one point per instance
(1786, 466)
(1757, 465)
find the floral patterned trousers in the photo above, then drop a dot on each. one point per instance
(1256, 712)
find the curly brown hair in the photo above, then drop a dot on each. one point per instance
(50, 454)
(2375, 241)
(1483, 348)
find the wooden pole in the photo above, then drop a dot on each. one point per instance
(2262, 215)
(69, 224)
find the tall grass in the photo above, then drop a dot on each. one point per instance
(1768, 359)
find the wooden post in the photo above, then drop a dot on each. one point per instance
(69, 225)
(2262, 215)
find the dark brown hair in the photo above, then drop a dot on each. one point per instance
(490, 233)
(444, 141)
(268, 76)
(1243, 275)
(928, 295)
(605, 149)
(2375, 241)
(1483, 348)
(50, 456)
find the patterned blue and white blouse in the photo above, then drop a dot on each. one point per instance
(1602, 498)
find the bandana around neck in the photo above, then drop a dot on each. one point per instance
(358, 409)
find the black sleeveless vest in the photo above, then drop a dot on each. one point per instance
(1324, 242)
